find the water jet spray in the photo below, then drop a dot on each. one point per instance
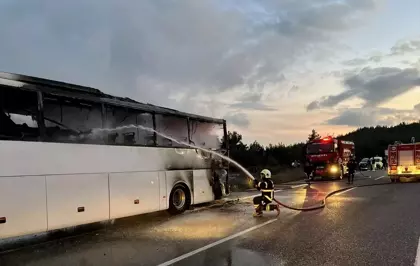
(246, 172)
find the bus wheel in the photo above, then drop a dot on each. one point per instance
(179, 199)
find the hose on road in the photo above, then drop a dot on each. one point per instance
(323, 202)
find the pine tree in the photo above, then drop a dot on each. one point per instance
(314, 135)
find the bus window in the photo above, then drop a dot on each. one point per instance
(71, 120)
(145, 137)
(124, 123)
(18, 115)
(174, 127)
(206, 135)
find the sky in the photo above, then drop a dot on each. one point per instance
(274, 69)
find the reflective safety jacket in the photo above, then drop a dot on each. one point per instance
(266, 186)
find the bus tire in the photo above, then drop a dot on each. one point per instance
(179, 199)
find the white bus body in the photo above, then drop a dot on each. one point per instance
(49, 185)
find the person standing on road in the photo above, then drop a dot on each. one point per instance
(352, 165)
(307, 166)
(373, 164)
(308, 169)
(266, 186)
(384, 163)
(369, 164)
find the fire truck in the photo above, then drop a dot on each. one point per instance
(328, 157)
(404, 162)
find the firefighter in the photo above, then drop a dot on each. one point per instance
(352, 165)
(266, 186)
(384, 163)
(373, 164)
(307, 167)
(219, 173)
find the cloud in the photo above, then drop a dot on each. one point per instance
(343, 73)
(237, 119)
(372, 116)
(150, 49)
(354, 117)
(373, 85)
(252, 101)
(251, 97)
(363, 61)
(416, 64)
(400, 48)
(252, 106)
(406, 46)
(356, 61)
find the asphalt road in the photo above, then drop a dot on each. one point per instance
(376, 225)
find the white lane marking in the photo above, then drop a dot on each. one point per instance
(379, 177)
(189, 254)
(342, 192)
(417, 261)
(301, 185)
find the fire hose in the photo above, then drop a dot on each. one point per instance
(322, 204)
(324, 200)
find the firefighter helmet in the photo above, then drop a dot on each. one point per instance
(265, 173)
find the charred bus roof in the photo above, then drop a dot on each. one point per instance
(91, 94)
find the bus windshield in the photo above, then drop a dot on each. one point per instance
(318, 148)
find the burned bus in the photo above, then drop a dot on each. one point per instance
(73, 155)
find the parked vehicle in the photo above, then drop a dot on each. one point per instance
(377, 163)
(329, 156)
(365, 165)
(295, 164)
(404, 162)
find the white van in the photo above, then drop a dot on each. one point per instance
(377, 163)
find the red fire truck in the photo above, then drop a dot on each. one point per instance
(329, 156)
(404, 162)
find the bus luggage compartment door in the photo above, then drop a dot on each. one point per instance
(203, 191)
(133, 193)
(77, 199)
(23, 208)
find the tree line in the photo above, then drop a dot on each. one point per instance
(369, 141)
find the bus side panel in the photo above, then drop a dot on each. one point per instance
(77, 199)
(203, 191)
(22, 205)
(43, 158)
(163, 205)
(179, 176)
(133, 193)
